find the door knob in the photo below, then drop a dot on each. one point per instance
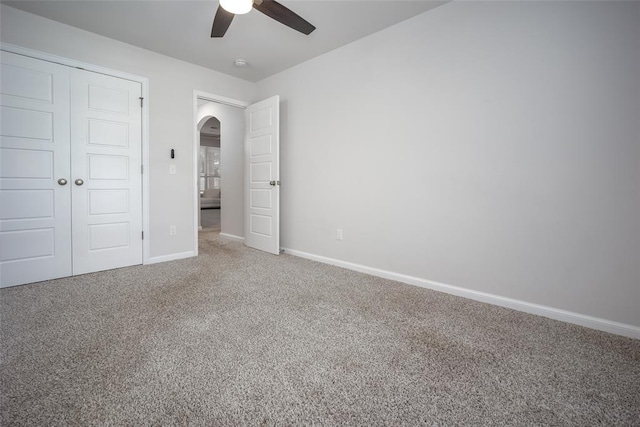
(272, 183)
(79, 181)
(62, 181)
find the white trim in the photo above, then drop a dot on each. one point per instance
(219, 99)
(146, 248)
(198, 94)
(233, 237)
(196, 175)
(171, 257)
(527, 307)
(69, 62)
(144, 82)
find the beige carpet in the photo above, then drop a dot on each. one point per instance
(236, 336)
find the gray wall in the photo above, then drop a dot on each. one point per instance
(488, 145)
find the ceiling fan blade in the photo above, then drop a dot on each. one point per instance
(221, 22)
(284, 15)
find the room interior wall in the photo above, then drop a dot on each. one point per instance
(231, 162)
(492, 146)
(171, 121)
(487, 145)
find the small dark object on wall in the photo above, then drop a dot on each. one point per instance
(173, 154)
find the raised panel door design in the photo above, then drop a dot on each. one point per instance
(26, 123)
(106, 140)
(106, 202)
(35, 216)
(262, 169)
(25, 245)
(260, 173)
(26, 204)
(17, 163)
(102, 167)
(261, 225)
(108, 133)
(108, 99)
(261, 199)
(108, 236)
(61, 123)
(26, 83)
(260, 146)
(260, 119)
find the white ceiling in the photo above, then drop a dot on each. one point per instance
(181, 29)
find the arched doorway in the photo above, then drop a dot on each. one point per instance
(227, 121)
(210, 174)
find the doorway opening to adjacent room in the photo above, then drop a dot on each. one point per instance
(209, 168)
(218, 165)
(250, 168)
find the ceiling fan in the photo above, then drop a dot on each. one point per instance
(230, 8)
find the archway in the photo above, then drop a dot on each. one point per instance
(209, 182)
(230, 115)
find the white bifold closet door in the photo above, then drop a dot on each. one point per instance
(70, 181)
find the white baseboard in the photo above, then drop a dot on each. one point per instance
(233, 237)
(527, 307)
(172, 257)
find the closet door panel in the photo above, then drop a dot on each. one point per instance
(35, 210)
(106, 157)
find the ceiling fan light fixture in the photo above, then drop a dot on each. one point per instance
(237, 7)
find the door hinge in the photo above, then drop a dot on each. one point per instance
(143, 235)
(141, 101)
(141, 168)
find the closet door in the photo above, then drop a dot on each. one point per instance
(35, 220)
(106, 172)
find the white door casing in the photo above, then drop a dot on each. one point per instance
(35, 220)
(262, 175)
(106, 157)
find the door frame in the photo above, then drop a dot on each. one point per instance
(212, 97)
(144, 82)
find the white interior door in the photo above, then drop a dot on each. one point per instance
(35, 220)
(262, 176)
(106, 172)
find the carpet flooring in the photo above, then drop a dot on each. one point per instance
(210, 219)
(239, 337)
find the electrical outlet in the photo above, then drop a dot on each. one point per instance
(172, 230)
(339, 234)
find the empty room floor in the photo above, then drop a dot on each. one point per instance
(237, 336)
